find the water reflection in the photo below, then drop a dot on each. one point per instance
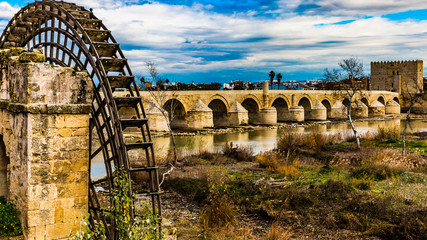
(261, 139)
(265, 139)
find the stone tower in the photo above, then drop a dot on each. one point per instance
(398, 76)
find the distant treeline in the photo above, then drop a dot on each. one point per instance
(183, 86)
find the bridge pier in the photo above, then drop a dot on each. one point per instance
(238, 115)
(267, 116)
(296, 114)
(376, 109)
(318, 112)
(338, 111)
(199, 116)
(392, 107)
(157, 121)
(359, 109)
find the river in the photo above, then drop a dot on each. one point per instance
(264, 139)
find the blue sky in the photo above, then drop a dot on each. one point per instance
(206, 41)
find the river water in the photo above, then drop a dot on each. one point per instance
(264, 139)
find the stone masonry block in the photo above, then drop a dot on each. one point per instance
(41, 217)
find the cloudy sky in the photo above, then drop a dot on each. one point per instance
(223, 40)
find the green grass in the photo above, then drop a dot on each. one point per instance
(411, 145)
(9, 221)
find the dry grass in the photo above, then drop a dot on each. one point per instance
(218, 212)
(276, 162)
(277, 232)
(314, 140)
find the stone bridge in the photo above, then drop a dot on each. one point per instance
(199, 109)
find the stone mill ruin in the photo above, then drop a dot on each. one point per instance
(60, 67)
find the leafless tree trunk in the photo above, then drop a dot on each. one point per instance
(408, 113)
(413, 98)
(159, 97)
(356, 135)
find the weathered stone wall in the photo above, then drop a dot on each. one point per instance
(44, 121)
(398, 76)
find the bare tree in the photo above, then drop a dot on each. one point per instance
(351, 68)
(159, 96)
(411, 97)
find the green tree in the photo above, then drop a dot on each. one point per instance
(271, 74)
(279, 78)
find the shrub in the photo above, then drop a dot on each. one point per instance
(288, 170)
(218, 211)
(315, 140)
(10, 224)
(289, 141)
(268, 160)
(388, 133)
(239, 153)
(362, 184)
(377, 172)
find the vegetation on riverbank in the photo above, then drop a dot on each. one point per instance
(313, 185)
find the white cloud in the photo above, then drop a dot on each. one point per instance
(352, 8)
(7, 11)
(183, 39)
(179, 37)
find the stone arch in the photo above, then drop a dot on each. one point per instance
(346, 102)
(365, 101)
(253, 97)
(221, 98)
(4, 162)
(282, 108)
(306, 104)
(381, 99)
(328, 107)
(252, 107)
(219, 112)
(176, 112)
(396, 99)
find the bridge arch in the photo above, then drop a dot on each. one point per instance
(282, 108)
(221, 98)
(396, 99)
(346, 102)
(328, 107)
(219, 112)
(365, 101)
(253, 108)
(306, 104)
(176, 113)
(381, 99)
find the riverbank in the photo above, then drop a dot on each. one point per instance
(313, 187)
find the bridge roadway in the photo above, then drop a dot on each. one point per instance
(200, 109)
